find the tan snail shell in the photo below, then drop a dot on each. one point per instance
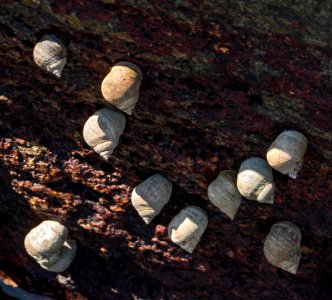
(50, 54)
(121, 86)
(48, 245)
(282, 246)
(187, 227)
(223, 193)
(103, 130)
(286, 153)
(255, 180)
(150, 196)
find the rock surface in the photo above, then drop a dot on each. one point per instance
(222, 79)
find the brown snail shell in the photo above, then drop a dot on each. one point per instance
(255, 180)
(50, 54)
(150, 196)
(48, 245)
(187, 227)
(103, 129)
(282, 246)
(286, 153)
(223, 193)
(121, 86)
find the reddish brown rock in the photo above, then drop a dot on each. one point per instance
(222, 79)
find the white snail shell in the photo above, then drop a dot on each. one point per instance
(48, 245)
(282, 246)
(150, 196)
(187, 227)
(103, 130)
(121, 86)
(50, 54)
(255, 180)
(286, 153)
(223, 193)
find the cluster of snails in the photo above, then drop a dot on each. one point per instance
(121, 89)
(255, 182)
(186, 228)
(47, 242)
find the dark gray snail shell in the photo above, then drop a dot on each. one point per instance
(150, 196)
(223, 193)
(282, 246)
(255, 180)
(102, 131)
(48, 245)
(121, 86)
(50, 54)
(286, 153)
(187, 227)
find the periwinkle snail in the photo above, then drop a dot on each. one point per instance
(255, 180)
(286, 153)
(187, 227)
(223, 193)
(50, 54)
(48, 245)
(121, 86)
(282, 246)
(150, 196)
(103, 130)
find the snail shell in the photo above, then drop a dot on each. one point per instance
(223, 193)
(121, 86)
(255, 180)
(150, 196)
(48, 245)
(187, 227)
(282, 246)
(103, 130)
(50, 54)
(286, 153)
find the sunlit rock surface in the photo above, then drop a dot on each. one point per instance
(222, 79)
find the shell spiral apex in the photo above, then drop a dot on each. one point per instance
(187, 227)
(255, 180)
(50, 54)
(223, 193)
(121, 86)
(282, 246)
(150, 196)
(48, 245)
(286, 153)
(103, 129)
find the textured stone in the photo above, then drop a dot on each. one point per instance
(222, 79)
